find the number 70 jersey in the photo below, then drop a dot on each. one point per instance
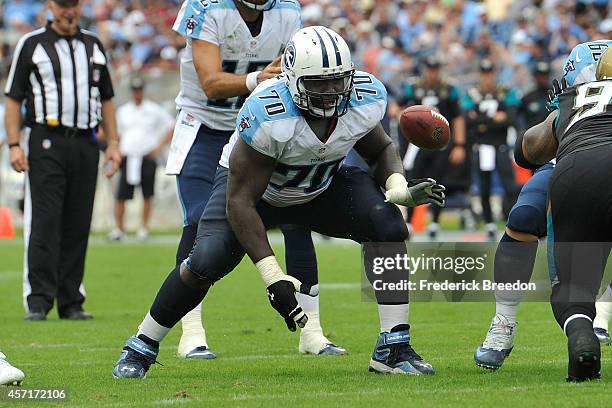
(219, 22)
(273, 125)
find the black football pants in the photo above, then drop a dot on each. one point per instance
(60, 188)
(579, 230)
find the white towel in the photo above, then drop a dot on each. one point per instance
(185, 132)
(409, 157)
(486, 155)
(133, 169)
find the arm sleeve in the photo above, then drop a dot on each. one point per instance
(18, 82)
(455, 109)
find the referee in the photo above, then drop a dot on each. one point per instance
(60, 71)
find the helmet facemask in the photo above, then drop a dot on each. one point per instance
(268, 5)
(326, 96)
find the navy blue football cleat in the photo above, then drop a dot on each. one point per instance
(393, 354)
(498, 344)
(135, 360)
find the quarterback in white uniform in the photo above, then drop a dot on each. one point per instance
(284, 164)
(232, 45)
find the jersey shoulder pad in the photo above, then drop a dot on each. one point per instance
(263, 109)
(288, 4)
(579, 67)
(367, 89)
(193, 15)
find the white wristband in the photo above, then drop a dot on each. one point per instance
(396, 180)
(270, 270)
(251, 80)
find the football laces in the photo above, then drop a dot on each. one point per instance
(439, 116)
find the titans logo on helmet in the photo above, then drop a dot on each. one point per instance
(290, 55)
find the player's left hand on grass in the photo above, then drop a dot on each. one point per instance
(281, 290)
(414, 192)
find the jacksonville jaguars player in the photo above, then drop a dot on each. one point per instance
(284, 164)
(232, 45)
(579, 135)
(516, 252)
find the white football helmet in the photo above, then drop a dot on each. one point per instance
(259, 6)
(319, 71)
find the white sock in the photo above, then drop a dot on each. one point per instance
(603, 306)
(192, 325)
(507, 309)
(310, 306)
(392, 315)
(153, 330)
(572, 317)
(308, 303)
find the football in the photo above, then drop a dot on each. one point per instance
(424, 127)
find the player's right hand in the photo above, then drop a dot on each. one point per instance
(272, 70)
(281, 292)
(282, 298)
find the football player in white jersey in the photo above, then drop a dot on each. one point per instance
(232, 45)
(284, 164)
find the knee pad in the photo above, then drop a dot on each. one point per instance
(387, 223)
(527, 219)
(213, 257)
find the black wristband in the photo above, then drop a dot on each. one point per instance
(11, 145)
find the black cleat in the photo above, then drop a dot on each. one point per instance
(36, 315)
(584, 356)
(75, 314)
(135, 360)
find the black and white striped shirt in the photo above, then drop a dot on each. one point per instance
(62, 79)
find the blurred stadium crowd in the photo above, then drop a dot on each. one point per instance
(390, 38)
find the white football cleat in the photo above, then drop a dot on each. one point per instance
(193, 340)
(9, 375)
(192, 346)
(314, 342)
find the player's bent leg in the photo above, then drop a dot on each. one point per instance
(9, 375)
(603, 307)
(514, 261)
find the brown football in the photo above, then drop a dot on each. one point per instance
(424, 127)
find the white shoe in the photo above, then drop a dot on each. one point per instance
(491, 230)
(314, 342)
(142, 234)
(9, 375)
(192, 346)
(115, 235)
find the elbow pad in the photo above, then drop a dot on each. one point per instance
(519, 158)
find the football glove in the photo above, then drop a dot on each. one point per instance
(553, 94)
(281, 290)
(414, 192)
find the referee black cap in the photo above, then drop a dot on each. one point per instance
(66, 3)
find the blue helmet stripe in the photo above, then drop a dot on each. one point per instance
(333, 40)
(323, 50)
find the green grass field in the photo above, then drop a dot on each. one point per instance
(258, 363)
